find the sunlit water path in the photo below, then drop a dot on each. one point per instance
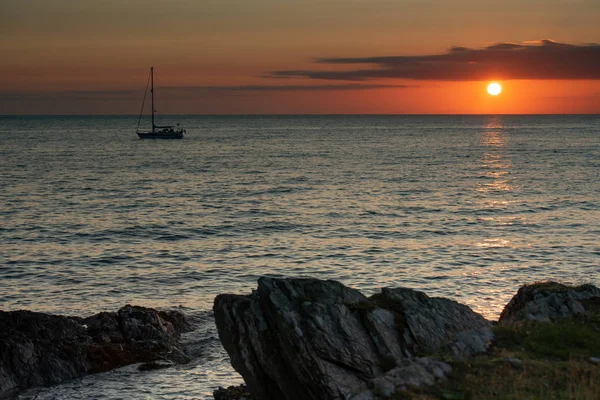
(465, 207)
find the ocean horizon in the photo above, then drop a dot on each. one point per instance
(467, 207)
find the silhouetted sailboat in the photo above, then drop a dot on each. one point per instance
(157, 132)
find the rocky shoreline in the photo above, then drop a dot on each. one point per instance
(305, 339)
(309, 339)
(38, 349)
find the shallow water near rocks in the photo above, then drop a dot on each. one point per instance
(464, 207)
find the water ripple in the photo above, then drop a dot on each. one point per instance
(462, 207)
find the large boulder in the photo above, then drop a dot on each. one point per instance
(548, 301)
(304, 339)
(38, 349)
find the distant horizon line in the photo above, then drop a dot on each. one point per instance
(304, 115)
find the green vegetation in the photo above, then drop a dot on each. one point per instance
(532, 360)
(528, 360)
(496, 378)
(563, 341)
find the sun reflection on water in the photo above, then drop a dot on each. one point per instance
(494, 179)
(489, 243)
(495, 166)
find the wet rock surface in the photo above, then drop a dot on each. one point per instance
(304, 339)
(38, 349)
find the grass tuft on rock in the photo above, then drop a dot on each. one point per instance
(560, 340)
(531, 360)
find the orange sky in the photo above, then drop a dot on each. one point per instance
(224, 56)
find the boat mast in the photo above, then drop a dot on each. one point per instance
(152, 91)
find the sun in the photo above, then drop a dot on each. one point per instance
(494, 89)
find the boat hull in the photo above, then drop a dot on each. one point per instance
(160, 135)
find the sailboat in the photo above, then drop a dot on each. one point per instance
(157, 132)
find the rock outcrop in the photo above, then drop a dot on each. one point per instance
(38, 349)
(305, 339)
(232, 393)
(548, 301)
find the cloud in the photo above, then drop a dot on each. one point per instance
(286, 88)
(545, 59)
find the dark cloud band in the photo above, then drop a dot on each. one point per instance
(544, 59)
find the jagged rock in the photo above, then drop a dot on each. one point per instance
(38, 349)
(365, 395)
(434, 324)
(416, 373)
(154, 365)
(514, 362)
(471, 342)
(305, 339)
(232, 393)
(547, 301)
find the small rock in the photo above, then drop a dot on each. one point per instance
(384, 386)
(471, 342)
(411, 373)
(365, 395)
(153, 365)
(514, 362)
(595, 360)
(232, 393)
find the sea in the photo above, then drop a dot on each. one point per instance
(464, 207)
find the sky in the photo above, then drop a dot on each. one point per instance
(73, 57)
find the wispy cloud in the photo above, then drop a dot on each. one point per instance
(260, 88)
(545, 59)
